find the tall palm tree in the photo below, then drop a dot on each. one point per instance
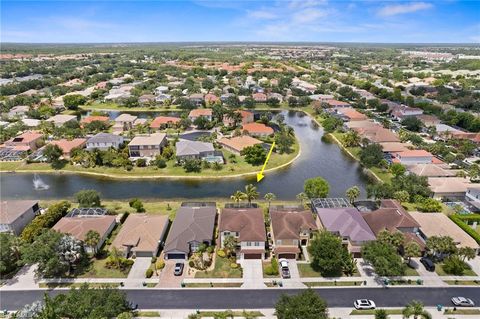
(415, 309)
(238, 196)
(116, 255)
(353, 193)
(269, 197)
(302, 197)
(251, 193)
(92, 238)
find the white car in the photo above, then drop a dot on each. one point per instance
(463, 302)
(362, 304)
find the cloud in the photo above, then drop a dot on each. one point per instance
(391, 10)
(308, 16)
(80, 24)
(301, 4)
(262, 14)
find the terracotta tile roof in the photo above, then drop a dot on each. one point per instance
(415, 153)
(68, 145)
(289, 224)
(211, 98)
(161, 120)
(448, 185)
(287, 249)
(11, 210)
(390, 216)
(142, 231)
(257, 128)
(378, 134)
(200, 112)
(430, 170)
(240, 142)
(25, 138)
(259, 96)
(93, 118)
(395, 147)
(337, 103)
(248, 222)
(78, 227)
(352, 114)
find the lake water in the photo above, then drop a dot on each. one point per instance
(318, 158)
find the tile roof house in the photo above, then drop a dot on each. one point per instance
(79, 226)
(211, 98)
(94, 118)
(237, 144)
(247, 225)
(411, 157)
(291, 229)
(124, 122)
(61, 119)
(403, 111)
(27, 141)
(428, 120)
(430, 170)
(16, 214)
(348, 223)
(161, 122)
(438, 224)
(68, 145)
(360, 124)
(351, 114)
(247, 117)
(377, 134)
(395, 147)
(336, 103)
(451, 187)
(192, 227)
(196, 113)
(147, 145)
(141, 235)
(257, 129)
(259, 97)
(392, 216)
(104, 141)
(193, 150)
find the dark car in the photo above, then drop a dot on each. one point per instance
(178, 271)
(428, 263)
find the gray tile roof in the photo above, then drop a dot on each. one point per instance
(185, 148)
(348, 222)
(105, 138)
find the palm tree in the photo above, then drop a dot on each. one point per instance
(415, 309)
(351, 139)
(92, 238)
(269, 197)
(353, 193)
(251, 193)
(116, 255)
(303, 198)
(238, 196)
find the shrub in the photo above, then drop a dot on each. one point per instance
(149, 273)
(453, 265)
(269, 271)
(210, 249)
(191, 263)
(430, 205)
(160, 264)
(124, 216)
(160, 163)
(154, 259)
(129, 167)
(221, 253)
(141, 162)
(233, 265)
(461, 222)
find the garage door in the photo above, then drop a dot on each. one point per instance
(175, 256)
(252, 256)
(286, 256)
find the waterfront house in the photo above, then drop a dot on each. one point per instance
(193, 150)
(104, 141)
(28, 141)
(452, 188)
(257, 129)
(247, 117)
(411, 157)
(124, 122)
(16, 214)
(162, 122)
(147, 145)
(60, 119)
(196, 113)
(68, 145)
(238, 143)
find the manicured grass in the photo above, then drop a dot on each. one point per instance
(10, 166)
(439, 270)
(413, 207)
(220, 314)
(462, 282)
(410, 272)
(333, 283)
(372, 312)
(97, 269)
(117, 107)
(221, 269)
(461, 311)
(384, 175)
(306, 270)
(266, 264)
(78, 284)
(147, 314)
(213, 285)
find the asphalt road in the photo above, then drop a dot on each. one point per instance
(258, 299)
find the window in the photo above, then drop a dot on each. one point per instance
(257, 243)
(249, 243)
(279, 242)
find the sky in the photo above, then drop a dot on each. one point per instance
(429, 21)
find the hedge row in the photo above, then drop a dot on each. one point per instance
(459, 221)
(469, 217)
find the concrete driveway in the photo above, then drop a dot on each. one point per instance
(136, 275)
(168, 279)
(294, 281)
(252, 273)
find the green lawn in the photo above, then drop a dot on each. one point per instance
(231, 314)
(439, 270)
(372, 312)
(306, 270)
(333, 283)
(77, 285)
(410, 272)
(461, 311)
(221, 269)
(97, 269)
(213, 285)
(147, 314)
(266, 264)
(463, 282)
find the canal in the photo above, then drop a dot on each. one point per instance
(319, 157)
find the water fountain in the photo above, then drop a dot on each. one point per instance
(39, 184)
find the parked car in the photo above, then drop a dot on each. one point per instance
(463, 302)
(283, 263)
(428, 263)
(178, 271)
(362, 304)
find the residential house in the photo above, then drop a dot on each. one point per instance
(141, 235)
(94, 118)
(336, 103)
(395, 147)
(196, 113)
(237, 144)
(31, 123)
(403, 111)
(104, 141)
(79, 226)
(197, 98)
(472, 195)
(438, 224)
(162, 122)
(211, 98)
(192, 227)
(377, 134)
(18, 111)
(257, 129)
(291, 231)
(28, 141)
(186, 149)
(430, 170)
(274, 95)
(247, 226)
(428, 120)
(392, 216)
(247, 117)
(68, 145)
(161, 90)
(351, 114)
(146, 98)
(16, 214)
(411, 157)
(450, 188)
(124, 122)
(348, 223)
(147, 145)
(259, 97)
(161, 98)
(60, 119)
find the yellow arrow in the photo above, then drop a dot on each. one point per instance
(260, 175)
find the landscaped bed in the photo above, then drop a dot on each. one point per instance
(306, 270)
(372, 312)
(213, 285)
(463, 282)
(97, 269)
(79, 284)
(333, 283)
(439, 270)
(222, 269)
(462, 311)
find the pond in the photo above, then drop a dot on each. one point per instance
(319, 157)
